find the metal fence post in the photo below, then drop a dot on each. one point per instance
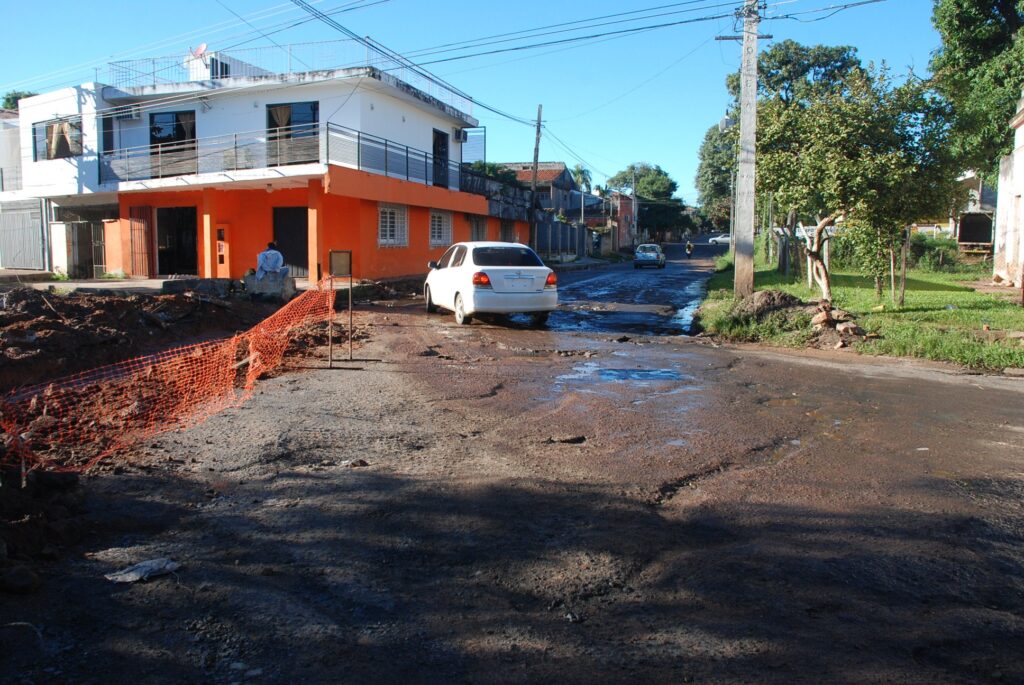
(359, 151)
(385, 157)
(406, 162)
(235, 153)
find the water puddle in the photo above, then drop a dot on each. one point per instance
(595, 373)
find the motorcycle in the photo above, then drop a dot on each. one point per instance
(689, 250)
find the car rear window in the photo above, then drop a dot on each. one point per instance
(505, 256)
(647, 248)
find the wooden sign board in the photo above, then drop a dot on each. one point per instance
(341, 262)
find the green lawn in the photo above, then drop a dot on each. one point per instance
(942, 319)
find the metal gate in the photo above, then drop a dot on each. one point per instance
(22, 235)
(140, 219)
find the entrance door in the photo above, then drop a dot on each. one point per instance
(440, 158)
(291, 233)
(176, 241)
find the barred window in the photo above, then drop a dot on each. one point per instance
(57, 139)
(392, 226)
(440, 229)
(477, 228)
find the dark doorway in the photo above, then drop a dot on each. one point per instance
(440, 158)
(176, 241)
(291, 233)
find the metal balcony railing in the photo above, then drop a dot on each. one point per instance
(300, 144)
(10, 178)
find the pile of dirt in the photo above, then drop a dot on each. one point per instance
(763, 302)
(45, 335)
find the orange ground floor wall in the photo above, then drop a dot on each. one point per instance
(232, 226)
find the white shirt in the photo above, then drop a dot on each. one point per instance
(268, 261)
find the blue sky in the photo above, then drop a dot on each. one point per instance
(615, 100)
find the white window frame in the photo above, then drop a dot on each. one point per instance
(440, 228)
(477, 227)
(392, 226)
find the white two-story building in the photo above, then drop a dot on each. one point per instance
(191, 165)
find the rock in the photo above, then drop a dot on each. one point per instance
(254, 672)
(572, 617)
(19, 580)
(997, 279)
(839, 345)
(354, 463)
(879, 308)
(821, 319)
(986, 327)
(841, 315)
(568, 439)
(1015, 372)
(849, 328)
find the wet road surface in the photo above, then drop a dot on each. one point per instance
(598, 502)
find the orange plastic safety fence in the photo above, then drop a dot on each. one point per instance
(74, 422)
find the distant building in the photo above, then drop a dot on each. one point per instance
(1008, 256)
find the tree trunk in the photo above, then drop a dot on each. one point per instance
(892, 274)
(793, 243)
(878, 287)
(816, 264)
(903, 267)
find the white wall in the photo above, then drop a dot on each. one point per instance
(363, 104)
(71, 175)
(1008, 262)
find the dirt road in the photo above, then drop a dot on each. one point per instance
(572, 505)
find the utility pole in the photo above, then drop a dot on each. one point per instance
(743, 230)
(533, 183)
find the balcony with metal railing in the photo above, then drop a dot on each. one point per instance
(282, 147)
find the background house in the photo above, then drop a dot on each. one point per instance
(1008, 255)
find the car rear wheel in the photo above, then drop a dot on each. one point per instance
(431, 307)
(539, 319)
(461, 317)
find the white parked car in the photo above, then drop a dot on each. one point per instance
(491, 278)
(648, 254)
(722, 239)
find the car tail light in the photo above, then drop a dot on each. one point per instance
(481, 280)
(552, 281)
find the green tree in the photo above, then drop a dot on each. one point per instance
(868, 153)
(980, 70)
(11, 98)
(495, 171)
(581, 175)
(791, 72)
(659, 210)
(717, 164)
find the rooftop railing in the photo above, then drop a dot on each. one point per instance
(281, 60)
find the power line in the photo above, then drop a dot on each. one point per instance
(832, 11)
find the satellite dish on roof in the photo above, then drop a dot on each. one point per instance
(199, 52)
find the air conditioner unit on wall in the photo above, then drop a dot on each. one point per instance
(460, 135)
(129, 113)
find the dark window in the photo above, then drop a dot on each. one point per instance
(292, 133)
(219, 69)
(508, 231)
(107, 126)
(172, 127)
(505, 256)
(172, 136)
(57, 139)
